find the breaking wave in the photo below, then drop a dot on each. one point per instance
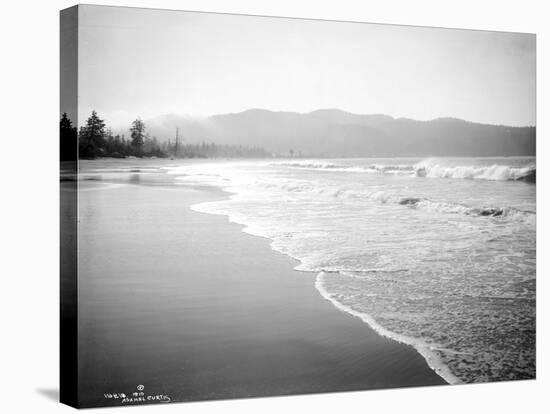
(455, 208)
(389, 252)
(328, 166)
(431, 168)
(389, 197)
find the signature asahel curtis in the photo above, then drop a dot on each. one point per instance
(138, 396)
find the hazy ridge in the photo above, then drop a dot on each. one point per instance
(332, 132)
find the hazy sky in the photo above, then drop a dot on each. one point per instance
(137, 62)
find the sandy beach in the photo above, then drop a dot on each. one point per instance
(190, 307)
(331, 206)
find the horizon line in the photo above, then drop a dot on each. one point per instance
(448, 117)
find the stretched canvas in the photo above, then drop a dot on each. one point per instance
(258, 206)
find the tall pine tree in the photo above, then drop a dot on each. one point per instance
(67, 139)
(92, 137)
(138, 136)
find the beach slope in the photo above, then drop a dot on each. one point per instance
(189, 306)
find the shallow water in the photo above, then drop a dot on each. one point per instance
(437, 253)
(187, 306)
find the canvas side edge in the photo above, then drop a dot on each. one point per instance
(68, 356)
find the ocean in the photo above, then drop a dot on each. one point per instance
(437, 253)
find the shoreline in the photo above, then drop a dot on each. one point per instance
(432, 359)
(205, 321)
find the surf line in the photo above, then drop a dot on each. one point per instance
(427, 351)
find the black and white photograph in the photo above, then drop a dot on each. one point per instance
(264, 206)
(242, 206)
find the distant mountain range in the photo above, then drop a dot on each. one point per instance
(332, 132)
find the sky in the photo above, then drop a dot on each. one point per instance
(145, 63)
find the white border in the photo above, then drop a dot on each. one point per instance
(29, 203)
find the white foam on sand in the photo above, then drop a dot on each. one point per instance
(295, 214)
(427, 351)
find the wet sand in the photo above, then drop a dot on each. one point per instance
(191, 308)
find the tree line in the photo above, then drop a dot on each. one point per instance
(95, 139)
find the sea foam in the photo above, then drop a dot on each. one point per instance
(420, 262)
(431, 168)
(426, 350)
